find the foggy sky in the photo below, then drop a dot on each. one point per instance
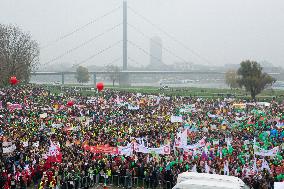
(220, 31)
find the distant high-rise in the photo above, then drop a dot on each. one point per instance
(156, 53)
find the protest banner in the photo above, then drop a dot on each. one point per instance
(42, 116)
(176, 119)
(56, 126)
(13, 107)
(262, 152)
(125, 150)
(216, 142)
(187, 108)
(101, 149)
(239, 106)
(35, 144)
(133, 107)
(199, 144)
(163, 150)
(25, 144)
(181, 139)
(54, 153)
(8, 148)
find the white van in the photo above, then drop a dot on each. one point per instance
(208, 181)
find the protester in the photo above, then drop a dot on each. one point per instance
(58, 140)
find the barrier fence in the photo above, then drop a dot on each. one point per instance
(93, 181)
(115, 181)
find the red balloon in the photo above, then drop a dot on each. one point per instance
(13, 80)
(70, 103)
(100, 86)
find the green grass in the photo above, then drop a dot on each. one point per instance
(180, 91)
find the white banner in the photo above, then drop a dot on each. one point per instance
(161, 150)
(176, 119)
(44, 115)
(25, 144)
(199, 144)
(181, 139)
(261, 152)
(215, 142)
(9, 149)
(126, 150)
(36, 144)
(187, 108)
(132, 107)
(4, 144)
(57, 126)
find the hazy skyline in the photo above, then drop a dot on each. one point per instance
(220, 31)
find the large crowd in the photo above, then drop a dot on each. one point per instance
(242, 139)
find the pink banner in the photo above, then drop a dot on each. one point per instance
(13, 107)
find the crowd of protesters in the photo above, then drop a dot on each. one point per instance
(72, 120)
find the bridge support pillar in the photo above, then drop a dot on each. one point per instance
(62, 78)
(95, 78)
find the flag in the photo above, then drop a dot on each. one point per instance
(254, 169)
(194, 168)
(54, 154)
(226, 168)
(207, 168)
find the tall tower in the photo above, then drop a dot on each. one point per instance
(124, 77)
(124, 35)
(156, 53)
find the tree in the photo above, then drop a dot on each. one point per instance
(114, 73)
(252, 78)
(231, 78)
(82, 74)
(19, 54)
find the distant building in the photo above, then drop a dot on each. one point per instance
(156, 54)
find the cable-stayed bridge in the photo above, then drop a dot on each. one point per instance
(125, 59)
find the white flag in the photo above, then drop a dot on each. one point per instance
(207, 168)
(226, 168)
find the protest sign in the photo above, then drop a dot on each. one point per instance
(133, 107)
(36, 144)
(13, 107)
(261, 152)
(57, 126)
(176, 119)
(44, 115)
(8, 148)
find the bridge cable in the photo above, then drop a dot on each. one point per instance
(144, 51)
(164, 48)
(170, 36)
(80, 28)
(82, 44)
(98, 53)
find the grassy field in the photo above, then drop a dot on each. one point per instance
(180, 91)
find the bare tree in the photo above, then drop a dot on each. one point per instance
(231, 78)
(19, 54)
(114, 72)
(82, 74)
